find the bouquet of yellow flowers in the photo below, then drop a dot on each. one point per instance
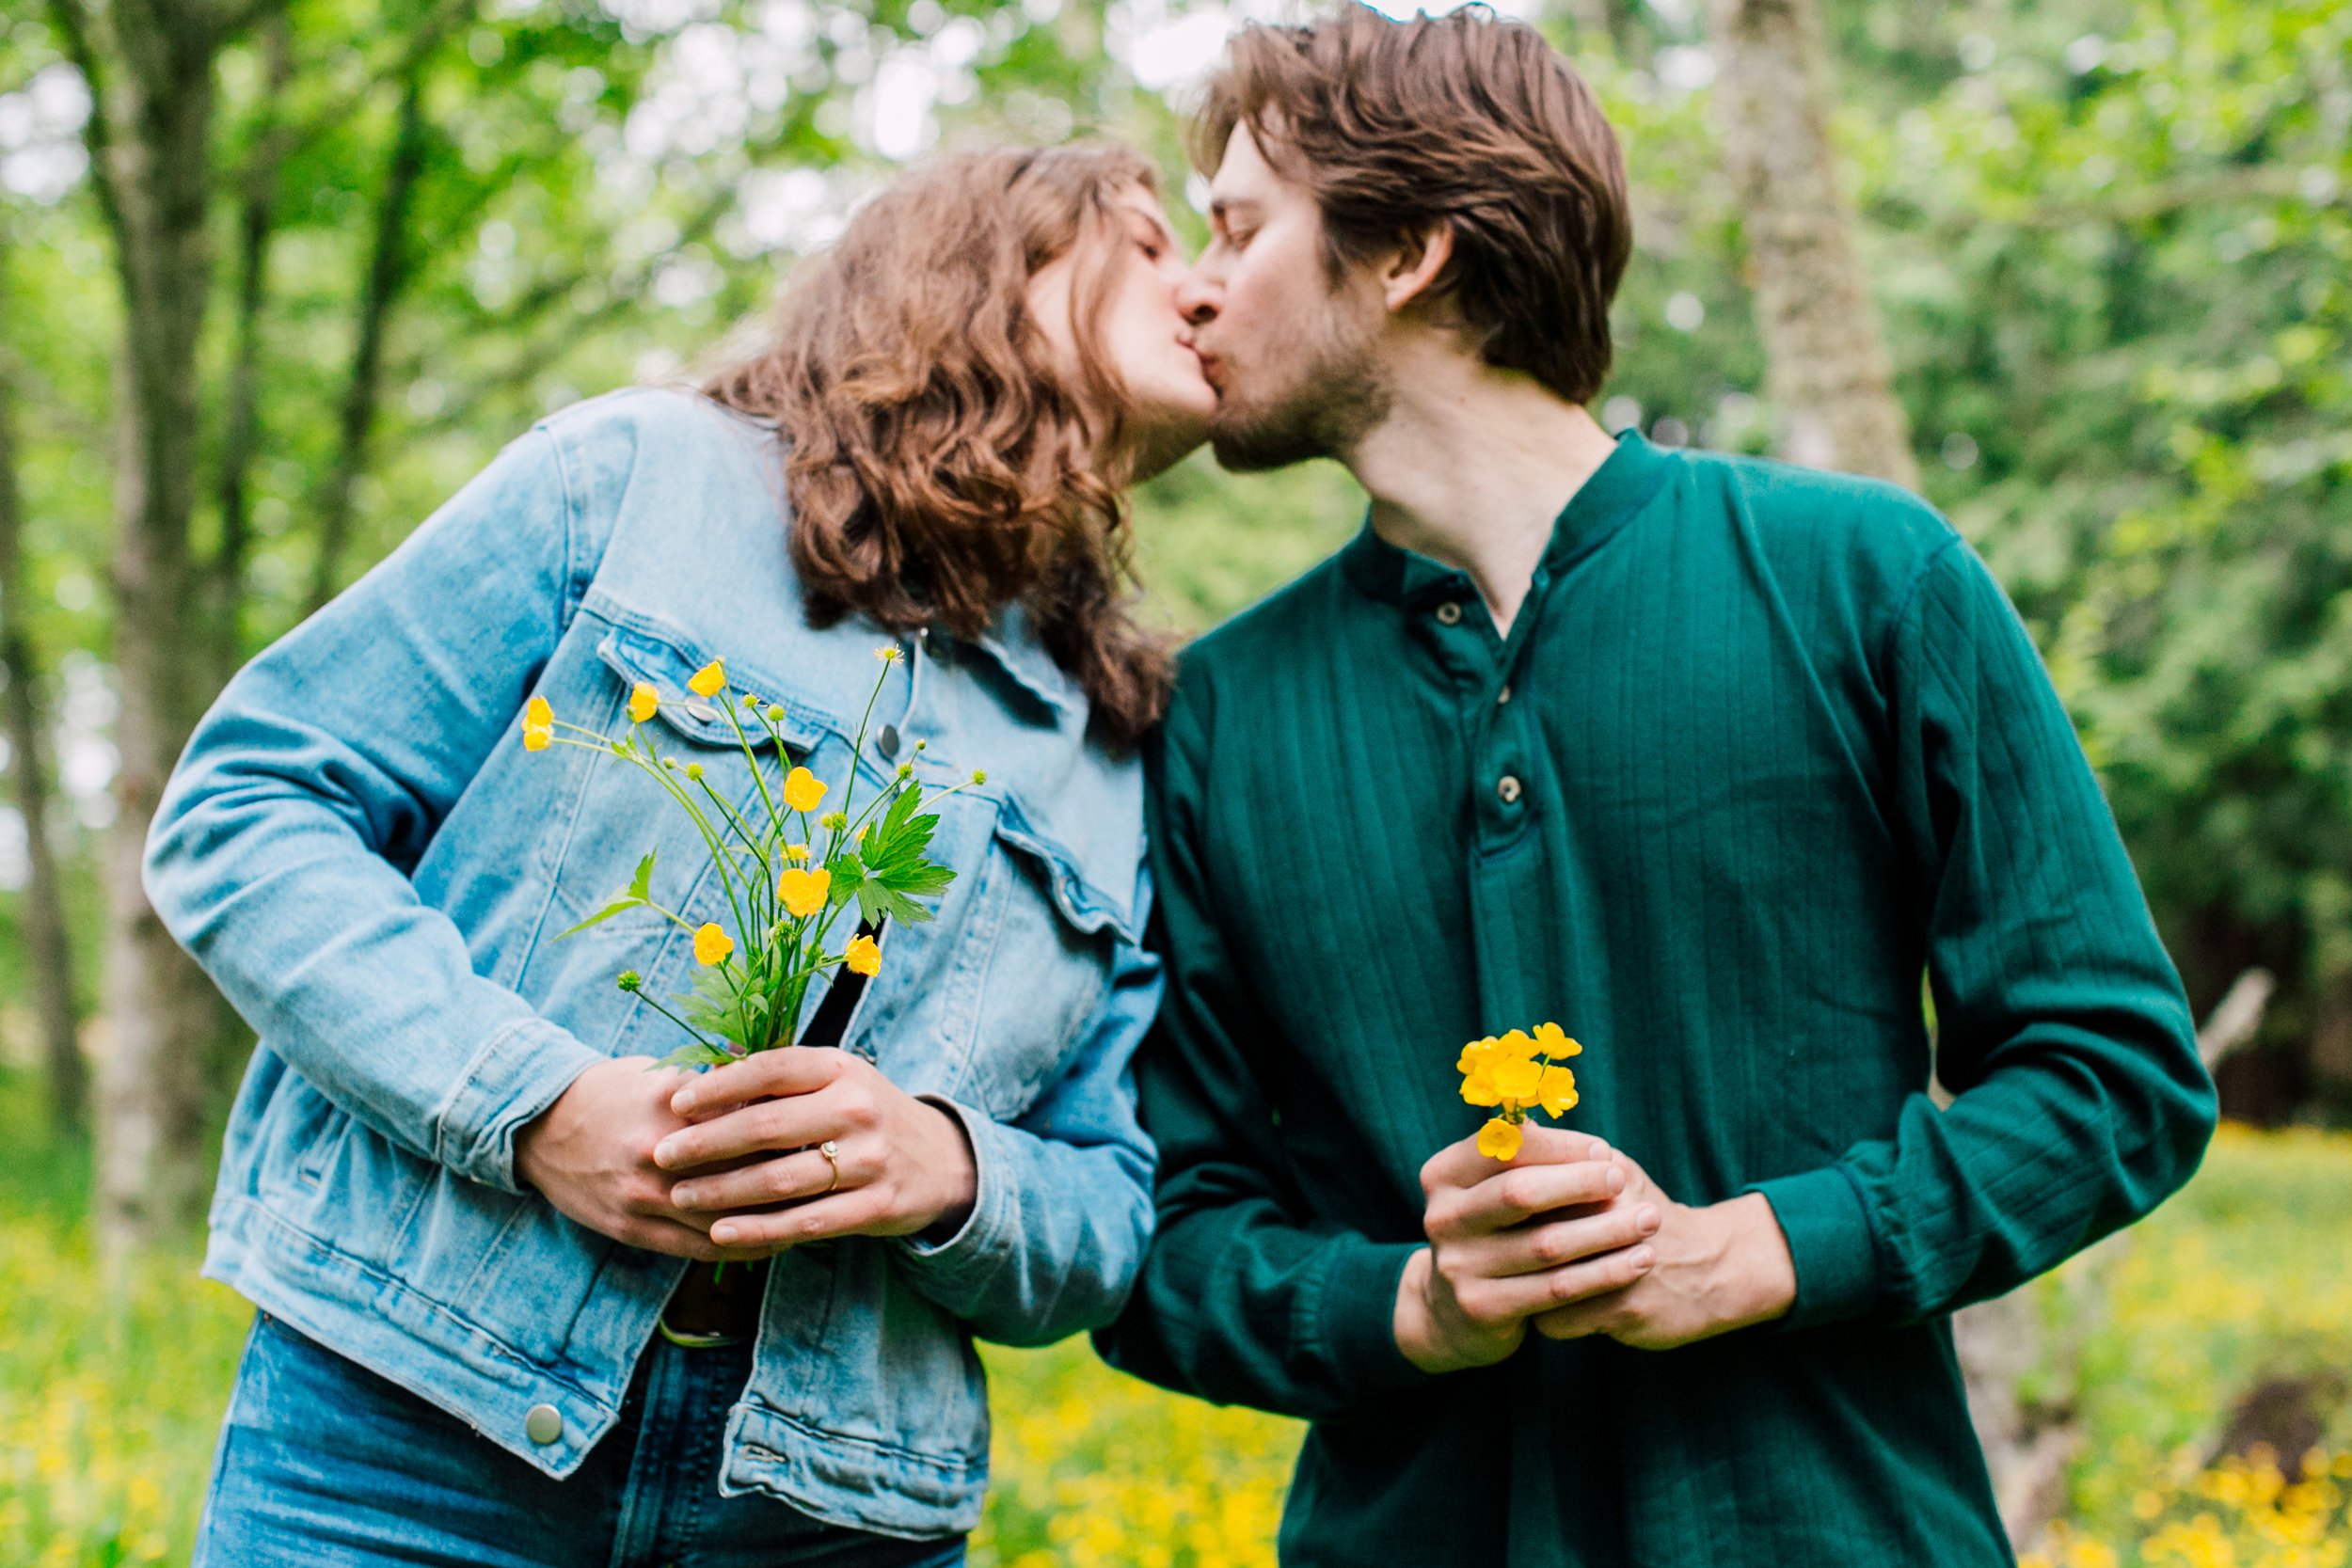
(1504, 1073)
(785, 884)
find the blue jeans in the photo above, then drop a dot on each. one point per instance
(323, 1464)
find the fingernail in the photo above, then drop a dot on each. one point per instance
(722, 1234)
(1646, 1219)
(1615, 1180)
(1641, 1258)
(665, 1152)
(684, 1195)
(682, 1101)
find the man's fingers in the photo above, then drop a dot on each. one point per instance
(780, 1180)
(842, 1214)
(680, 1240)
(1460, 1164)
(761, 1075)
(1535, 1248)
(1495, 1302)
(1509, 1195)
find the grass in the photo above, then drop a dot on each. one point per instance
(110, 1399)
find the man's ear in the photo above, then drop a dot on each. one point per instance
(1415, 267)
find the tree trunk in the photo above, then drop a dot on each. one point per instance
(150, 68)
(41, 908)
(241, 429)
(387, 274)
(1826, 364)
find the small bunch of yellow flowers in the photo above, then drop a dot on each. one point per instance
(781, 895)
(1503, 1071)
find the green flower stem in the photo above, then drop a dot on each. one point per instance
(665, 1012)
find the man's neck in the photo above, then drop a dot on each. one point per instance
(1472, 468)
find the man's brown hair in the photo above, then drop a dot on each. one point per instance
(1461, 120)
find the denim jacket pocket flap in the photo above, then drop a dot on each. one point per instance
(668, 660)
(1088, 895)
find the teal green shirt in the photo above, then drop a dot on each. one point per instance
(1763, 747)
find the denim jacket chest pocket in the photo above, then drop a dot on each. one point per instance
(980, 1004)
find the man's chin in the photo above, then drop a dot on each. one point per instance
(1254, 446)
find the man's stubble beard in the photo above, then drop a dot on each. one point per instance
(1335, 397)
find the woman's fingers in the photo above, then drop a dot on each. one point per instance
(846, 1213)
(762, 1075)
(767, 1125)
(783, 1179)
(1490, 1301)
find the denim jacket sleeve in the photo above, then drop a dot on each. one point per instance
(281, 851)
(1062, 1211)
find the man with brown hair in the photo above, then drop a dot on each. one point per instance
(1704, 758)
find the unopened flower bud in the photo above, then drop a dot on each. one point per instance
(693, 769)
(629, 981)
(980, 775)
(776, 714)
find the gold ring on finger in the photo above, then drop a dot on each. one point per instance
(832, 1151)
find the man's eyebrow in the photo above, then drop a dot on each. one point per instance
(1224, 207)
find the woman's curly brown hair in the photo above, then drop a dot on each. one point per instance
(939, 464)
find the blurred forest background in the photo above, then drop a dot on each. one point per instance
(277, 275)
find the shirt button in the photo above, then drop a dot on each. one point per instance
(1449, 613)
(888, 740)
(1502, 696)
(1508, 788)
(543, 1425)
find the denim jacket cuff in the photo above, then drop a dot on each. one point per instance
(953, 1270)
(518, 1073)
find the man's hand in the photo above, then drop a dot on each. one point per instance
(591, 1155)
(1510, 1241)
(1721, 1267)
(904, 1166)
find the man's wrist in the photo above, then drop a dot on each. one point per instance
(1759, 1279)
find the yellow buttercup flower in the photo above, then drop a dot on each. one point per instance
(1556, 1094)
(802, 789)
(1499, 1139)
(537, 737)
(642, 700)
(805, 892)
(796, 851)
(1475, 1055)
(1518, 1078)
(1554, 1042)
(863, 956)
(708, 680)
(712, 945)
(1517, 1046)
(537, 715)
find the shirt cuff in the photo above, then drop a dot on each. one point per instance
(522, 1070)
(1358, 1318)
(1828, 1230)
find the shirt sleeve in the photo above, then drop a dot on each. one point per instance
(280, 851)
(1246, 1297)
(2080, 1102)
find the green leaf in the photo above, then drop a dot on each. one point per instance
(641, 885)
(622, 904)
(694, 1053)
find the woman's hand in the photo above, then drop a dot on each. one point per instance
(904, 1166)
(591, 1155)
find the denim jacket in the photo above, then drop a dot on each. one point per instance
(360, 852)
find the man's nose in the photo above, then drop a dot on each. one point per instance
(1199, 297)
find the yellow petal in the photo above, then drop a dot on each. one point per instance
(805, 892)
(1519, 1079)
(1558, 1091)
(1552, 1040)
(863, 956)
(1474, 1055)
(1518, 1043)
(802, 789)
(712, 945)
(1478, 1088)
(1498, 1139)
(642, 700)
(708, 680)
(796, 851)
(536, 738)
(537, 715)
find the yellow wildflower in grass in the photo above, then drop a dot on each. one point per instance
(1499, 1139)
(643, 701)
(708, 680)
(796, 851)
(711, 944)
(802, 789)
(805, 892)
(863, 956)
(1517, 1072)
